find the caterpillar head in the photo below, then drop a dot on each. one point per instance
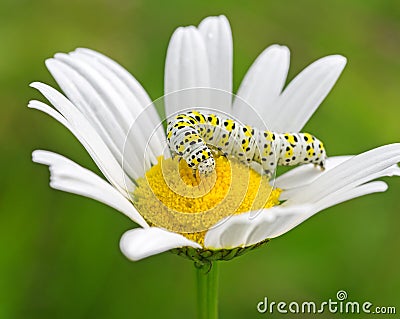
(207, 166)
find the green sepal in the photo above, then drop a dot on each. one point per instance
(203, 258)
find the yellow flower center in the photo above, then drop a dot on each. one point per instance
(171, 197)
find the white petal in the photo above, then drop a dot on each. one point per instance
(140, 243)
(68, 176)
(103, 106)
(72, 119)
(262, 86)
(305, 93)
(88, 101)
(135, 98)
(217, 37)
(244, 230)
(360, 169)
(303, 175)
(342, 196)
(134, 86)
(287, 223)
(344, 181)
(186, 67)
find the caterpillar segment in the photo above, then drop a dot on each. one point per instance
(193, 135)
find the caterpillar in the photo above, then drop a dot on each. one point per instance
(193, 135)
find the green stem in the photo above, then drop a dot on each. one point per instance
(207, 292)
(213, 291)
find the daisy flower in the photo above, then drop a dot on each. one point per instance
(102, 103)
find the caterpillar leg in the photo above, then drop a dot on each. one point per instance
(320, 165)
(268, 173)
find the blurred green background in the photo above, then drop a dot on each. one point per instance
(59, 255)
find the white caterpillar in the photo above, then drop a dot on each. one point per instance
(191, 135)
